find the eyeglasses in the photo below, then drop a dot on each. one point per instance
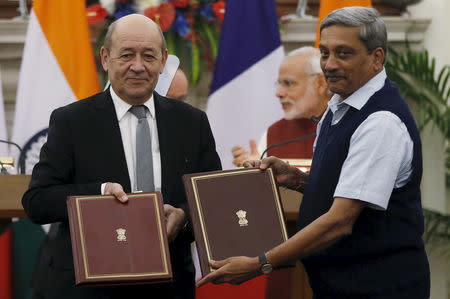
(288, 83)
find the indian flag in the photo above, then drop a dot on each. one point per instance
(57, 69)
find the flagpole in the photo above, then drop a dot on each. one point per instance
(23, 9)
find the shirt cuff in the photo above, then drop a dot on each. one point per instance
(102, 188)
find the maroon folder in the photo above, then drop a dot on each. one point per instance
(118, 244)
(234, 212)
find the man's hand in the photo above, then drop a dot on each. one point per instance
(240, 154)
(285, 174)
(234, 270)
(116, 190)
(176, 219)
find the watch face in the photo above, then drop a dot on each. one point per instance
(266, 268)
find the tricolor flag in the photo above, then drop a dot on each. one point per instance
(57, 68)
(242, 103)
(327, 6)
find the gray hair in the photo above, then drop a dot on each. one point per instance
(313, 56)
(107, 43)
(373, 30)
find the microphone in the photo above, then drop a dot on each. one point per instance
(313, 118)
(21, 163)
(3, 169)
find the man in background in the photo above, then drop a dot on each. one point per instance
(179, 87)
(303, 95)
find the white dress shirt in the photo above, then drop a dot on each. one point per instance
(128, 123)
(380, 153)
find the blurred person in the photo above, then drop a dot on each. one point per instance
(303, 94)
(179, 87)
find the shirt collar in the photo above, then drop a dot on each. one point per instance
(122, 107)
(360, 97)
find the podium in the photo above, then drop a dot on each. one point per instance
(12, 188)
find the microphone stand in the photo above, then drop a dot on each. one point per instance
(287, 142)
(21, 162)
(313, 118)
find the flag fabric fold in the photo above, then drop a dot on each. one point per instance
(242, 103)
(57, 69)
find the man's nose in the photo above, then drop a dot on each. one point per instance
(330, 64)
(137, 65)
(281, 91)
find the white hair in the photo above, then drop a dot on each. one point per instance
(313, 56)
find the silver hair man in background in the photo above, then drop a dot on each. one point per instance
(303, 93)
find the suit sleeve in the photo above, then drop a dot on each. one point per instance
(208, 161)
(52, 178)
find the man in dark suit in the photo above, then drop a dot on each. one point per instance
(91, 149)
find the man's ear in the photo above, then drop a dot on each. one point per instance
(378, 56)
(104, 55)
(164, 60)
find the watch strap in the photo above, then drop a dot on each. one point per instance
(262, 259)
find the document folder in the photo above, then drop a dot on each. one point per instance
(117, 244)
(234, 213)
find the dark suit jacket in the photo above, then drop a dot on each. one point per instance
(83, 150)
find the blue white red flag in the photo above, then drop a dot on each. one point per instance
(242, 103)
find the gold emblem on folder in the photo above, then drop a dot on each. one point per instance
(242, 220)
(121, 235)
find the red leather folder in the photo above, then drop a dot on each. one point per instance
(118, 244)
(234, 212)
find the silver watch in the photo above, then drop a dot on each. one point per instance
(266, 267)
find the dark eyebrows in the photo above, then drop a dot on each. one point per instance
(134, 50)
(344, 48)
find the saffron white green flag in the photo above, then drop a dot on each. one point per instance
(57, 69)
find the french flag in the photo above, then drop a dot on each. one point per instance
(242, 103)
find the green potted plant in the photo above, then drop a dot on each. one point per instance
(419, 81)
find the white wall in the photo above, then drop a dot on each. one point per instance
(435, 195)
(437, 38)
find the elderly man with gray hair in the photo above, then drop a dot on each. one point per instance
(303, 94)
(361, 218)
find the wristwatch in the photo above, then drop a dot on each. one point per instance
(266, 267)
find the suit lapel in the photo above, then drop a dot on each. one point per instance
(106, 121)
(167, 132)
